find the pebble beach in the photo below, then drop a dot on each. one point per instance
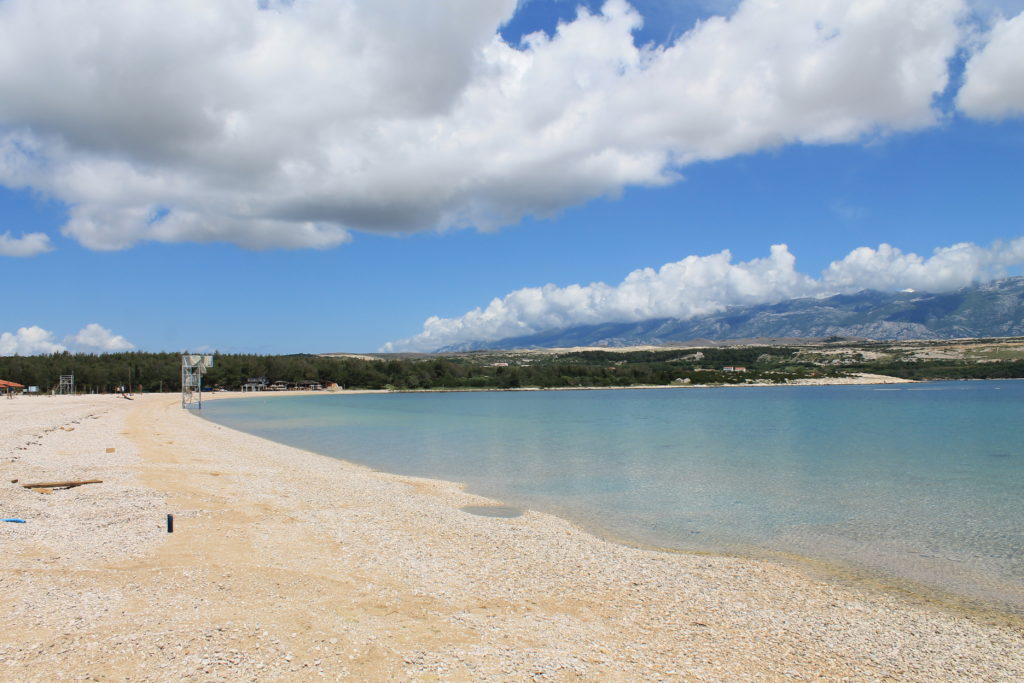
(288, 565)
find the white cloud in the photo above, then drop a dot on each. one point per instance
(700, 285)
(95, 338)
(34, 340)
(28, 341)
(990, 9)
(994, 76)
(888, 268)
(292, 125)
(30, 244)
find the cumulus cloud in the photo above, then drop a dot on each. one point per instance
(28, 341)
(699, 285)
(994, 76)
(34, 340)
(30, 244)
(95, 338)
(948, 268)
(289, 124)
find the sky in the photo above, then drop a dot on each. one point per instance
(345, 175)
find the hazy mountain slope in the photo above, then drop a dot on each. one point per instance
(994, 309)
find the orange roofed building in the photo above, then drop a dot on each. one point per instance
(10, 387)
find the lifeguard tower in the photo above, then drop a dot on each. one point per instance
(67, 385)
(192, 368)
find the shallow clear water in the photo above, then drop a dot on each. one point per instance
(919, 483)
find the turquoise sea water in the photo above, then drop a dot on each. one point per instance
(919, 483)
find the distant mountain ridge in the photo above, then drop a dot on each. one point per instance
(993, 309)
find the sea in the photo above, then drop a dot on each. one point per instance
(917, 487)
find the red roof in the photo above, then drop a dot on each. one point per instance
(4, 384)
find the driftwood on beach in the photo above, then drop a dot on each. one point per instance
(62, 484)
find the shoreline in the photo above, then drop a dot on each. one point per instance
(285, 563)
(849, 574)
(861, 379)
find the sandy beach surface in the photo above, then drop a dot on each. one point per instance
(286, 565)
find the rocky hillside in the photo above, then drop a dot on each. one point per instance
(994, 309)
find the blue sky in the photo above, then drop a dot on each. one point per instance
(352, 261)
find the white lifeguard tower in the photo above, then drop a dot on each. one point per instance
(67, 385)
(192, 368)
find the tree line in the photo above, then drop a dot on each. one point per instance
(153, 372)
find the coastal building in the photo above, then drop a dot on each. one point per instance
(302, 385)
(255, 384)
(9, 389)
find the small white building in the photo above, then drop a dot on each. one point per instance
(255, 384)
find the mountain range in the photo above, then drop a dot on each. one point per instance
(993, 309)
